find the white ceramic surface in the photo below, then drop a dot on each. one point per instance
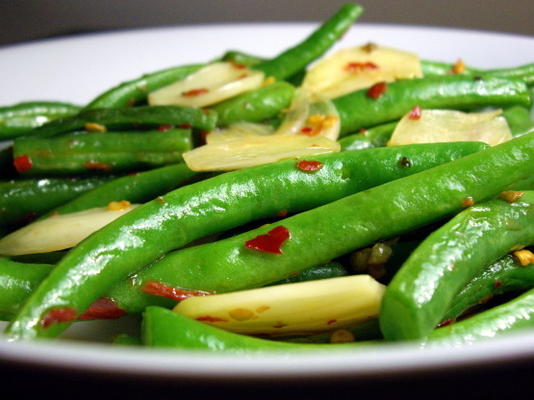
(77, 69)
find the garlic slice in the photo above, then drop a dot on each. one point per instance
(431, 126)
(209, 85)
(238, 131)
(303, 307)
(255, 150)
(351, 69)
(59, 232)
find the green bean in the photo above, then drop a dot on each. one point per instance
(255, 105)
(25, 199)
(20, 118)
(17, 280)
(136, 188)
(519, 120)
(421, 292)
(137, 90)
(522, 72)
(151, 116)
(242, 58)
(356, 221)
(79, 153)
(454, 91)
(296, 58)
(377, 136)
(139, 237)
(323, 271)
(504, 275)
(163, 328)
(515, 315)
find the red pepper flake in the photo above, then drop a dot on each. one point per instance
(332, 321)
(238, 65)
(23, 163)
(162, 290)
(497, 284)
(56, 315)
(415, 113)
(281, 213)
(270, 242)
(97, 166)
(468, 202)
(307, 130)
(359, 66)
(377, 90)
(309, 166)
(445, 323)
(208, 318)
(195, 92)
(164, 128)
(185, 126)
(103, 308)
(362, 131)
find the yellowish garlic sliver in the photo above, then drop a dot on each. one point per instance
(451, 126)
(256, 150)
(58, 232)
(211, 84)
(311, 306)
(331, 76)
(238, 131)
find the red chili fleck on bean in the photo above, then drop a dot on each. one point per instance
(57, 315)
(99, 166)
(497, 284)
(208, 318)
(309, 166)
(359, 66)
(162, 290)
(238, 65)
(195, 92)
(270, 242)
(377, 90)
(185, 126)
(332, 321)
(23, 163)
(103, 308)
(415, 113)
(445, 323)
(281, 213)
(164, 128)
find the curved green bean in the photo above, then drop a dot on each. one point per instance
(421, 292)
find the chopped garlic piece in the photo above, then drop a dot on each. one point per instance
(209, 85)
(356, 68)
(303, 307)
(433, 126)
(255, 150)
(58, 232)
(238, 131)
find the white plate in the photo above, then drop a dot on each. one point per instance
(77, 69)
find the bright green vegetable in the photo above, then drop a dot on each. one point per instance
(296, 58)
(200, 209)
(422, 291)
(21, 118)
(109, 152)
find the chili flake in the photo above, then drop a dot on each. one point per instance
(56, 315)
(360, 66)
(270, 242)
(23, 163)
(309, 166)
(97, 166)
(208, 318)
(458, 67)
(377, 90)
(164, 128)
(195, 92)
(415, 113)
(103, 308)
(162, 290)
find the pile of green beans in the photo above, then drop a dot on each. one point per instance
(456, 212)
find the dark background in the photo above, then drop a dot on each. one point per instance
(22, 20)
